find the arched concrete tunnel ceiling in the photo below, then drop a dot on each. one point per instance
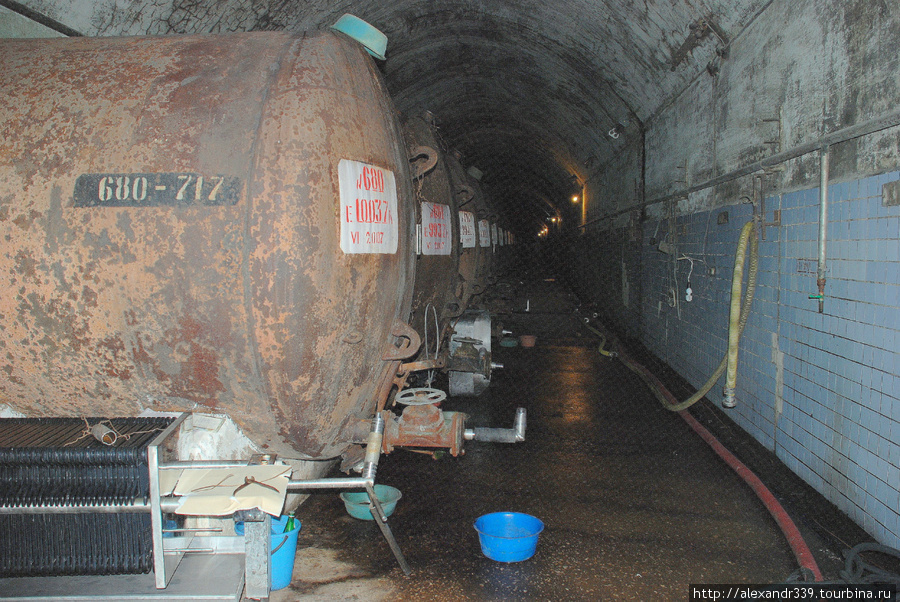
(527, 90)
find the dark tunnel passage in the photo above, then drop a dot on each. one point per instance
(712, 187)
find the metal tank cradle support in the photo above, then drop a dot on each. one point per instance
(367, 482)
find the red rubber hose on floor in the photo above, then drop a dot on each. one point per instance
(792, 534)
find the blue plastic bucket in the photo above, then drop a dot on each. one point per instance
(508, 536)
(282, 550)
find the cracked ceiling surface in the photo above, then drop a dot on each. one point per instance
(527, 90)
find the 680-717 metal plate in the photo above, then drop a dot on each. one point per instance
(156, 190)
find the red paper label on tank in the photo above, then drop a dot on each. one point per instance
(467, 229)
(435, 229)
(368, 208)
(484, 233)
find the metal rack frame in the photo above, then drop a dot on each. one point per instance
(169, 552)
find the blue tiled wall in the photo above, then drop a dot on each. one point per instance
(820, 390)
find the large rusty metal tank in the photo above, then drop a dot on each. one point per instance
(486, 218)
(210, 223)
(438, 285)
(472, 254)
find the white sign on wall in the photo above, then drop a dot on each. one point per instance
(368, 208)
(436, 229)
(467, 229)
(484, 233)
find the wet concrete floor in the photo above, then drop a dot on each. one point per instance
(635, 505)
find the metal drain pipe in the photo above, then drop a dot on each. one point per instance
(823, 226)
(494, 435)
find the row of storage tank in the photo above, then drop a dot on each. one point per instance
(237, 226)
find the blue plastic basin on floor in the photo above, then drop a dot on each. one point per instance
(508, 536)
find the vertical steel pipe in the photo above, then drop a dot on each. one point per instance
(823, 225)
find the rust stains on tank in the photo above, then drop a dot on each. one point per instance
(88, 297)
(26, 265)
(24, 221)
(115, 351)
(187, 360)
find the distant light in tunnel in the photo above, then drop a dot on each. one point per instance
(575, 198)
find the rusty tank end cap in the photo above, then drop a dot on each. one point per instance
(370, 37)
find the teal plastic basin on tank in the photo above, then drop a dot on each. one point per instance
(371, 38)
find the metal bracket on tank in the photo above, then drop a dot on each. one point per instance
(409, 345)
(421, 168)
(464, 194)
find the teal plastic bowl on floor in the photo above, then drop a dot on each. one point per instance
(357, 502)
(508, 536)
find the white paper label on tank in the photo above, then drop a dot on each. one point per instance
(436, 229)
(467, 229)
(494, 237)
(502, 236)
(368, 208)
(484, 233)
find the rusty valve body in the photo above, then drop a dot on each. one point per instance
(424, 426)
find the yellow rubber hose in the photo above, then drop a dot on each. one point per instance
(739, 314)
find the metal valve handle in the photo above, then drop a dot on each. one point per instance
(420, 396)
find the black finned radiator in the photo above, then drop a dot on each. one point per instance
(58, 463)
